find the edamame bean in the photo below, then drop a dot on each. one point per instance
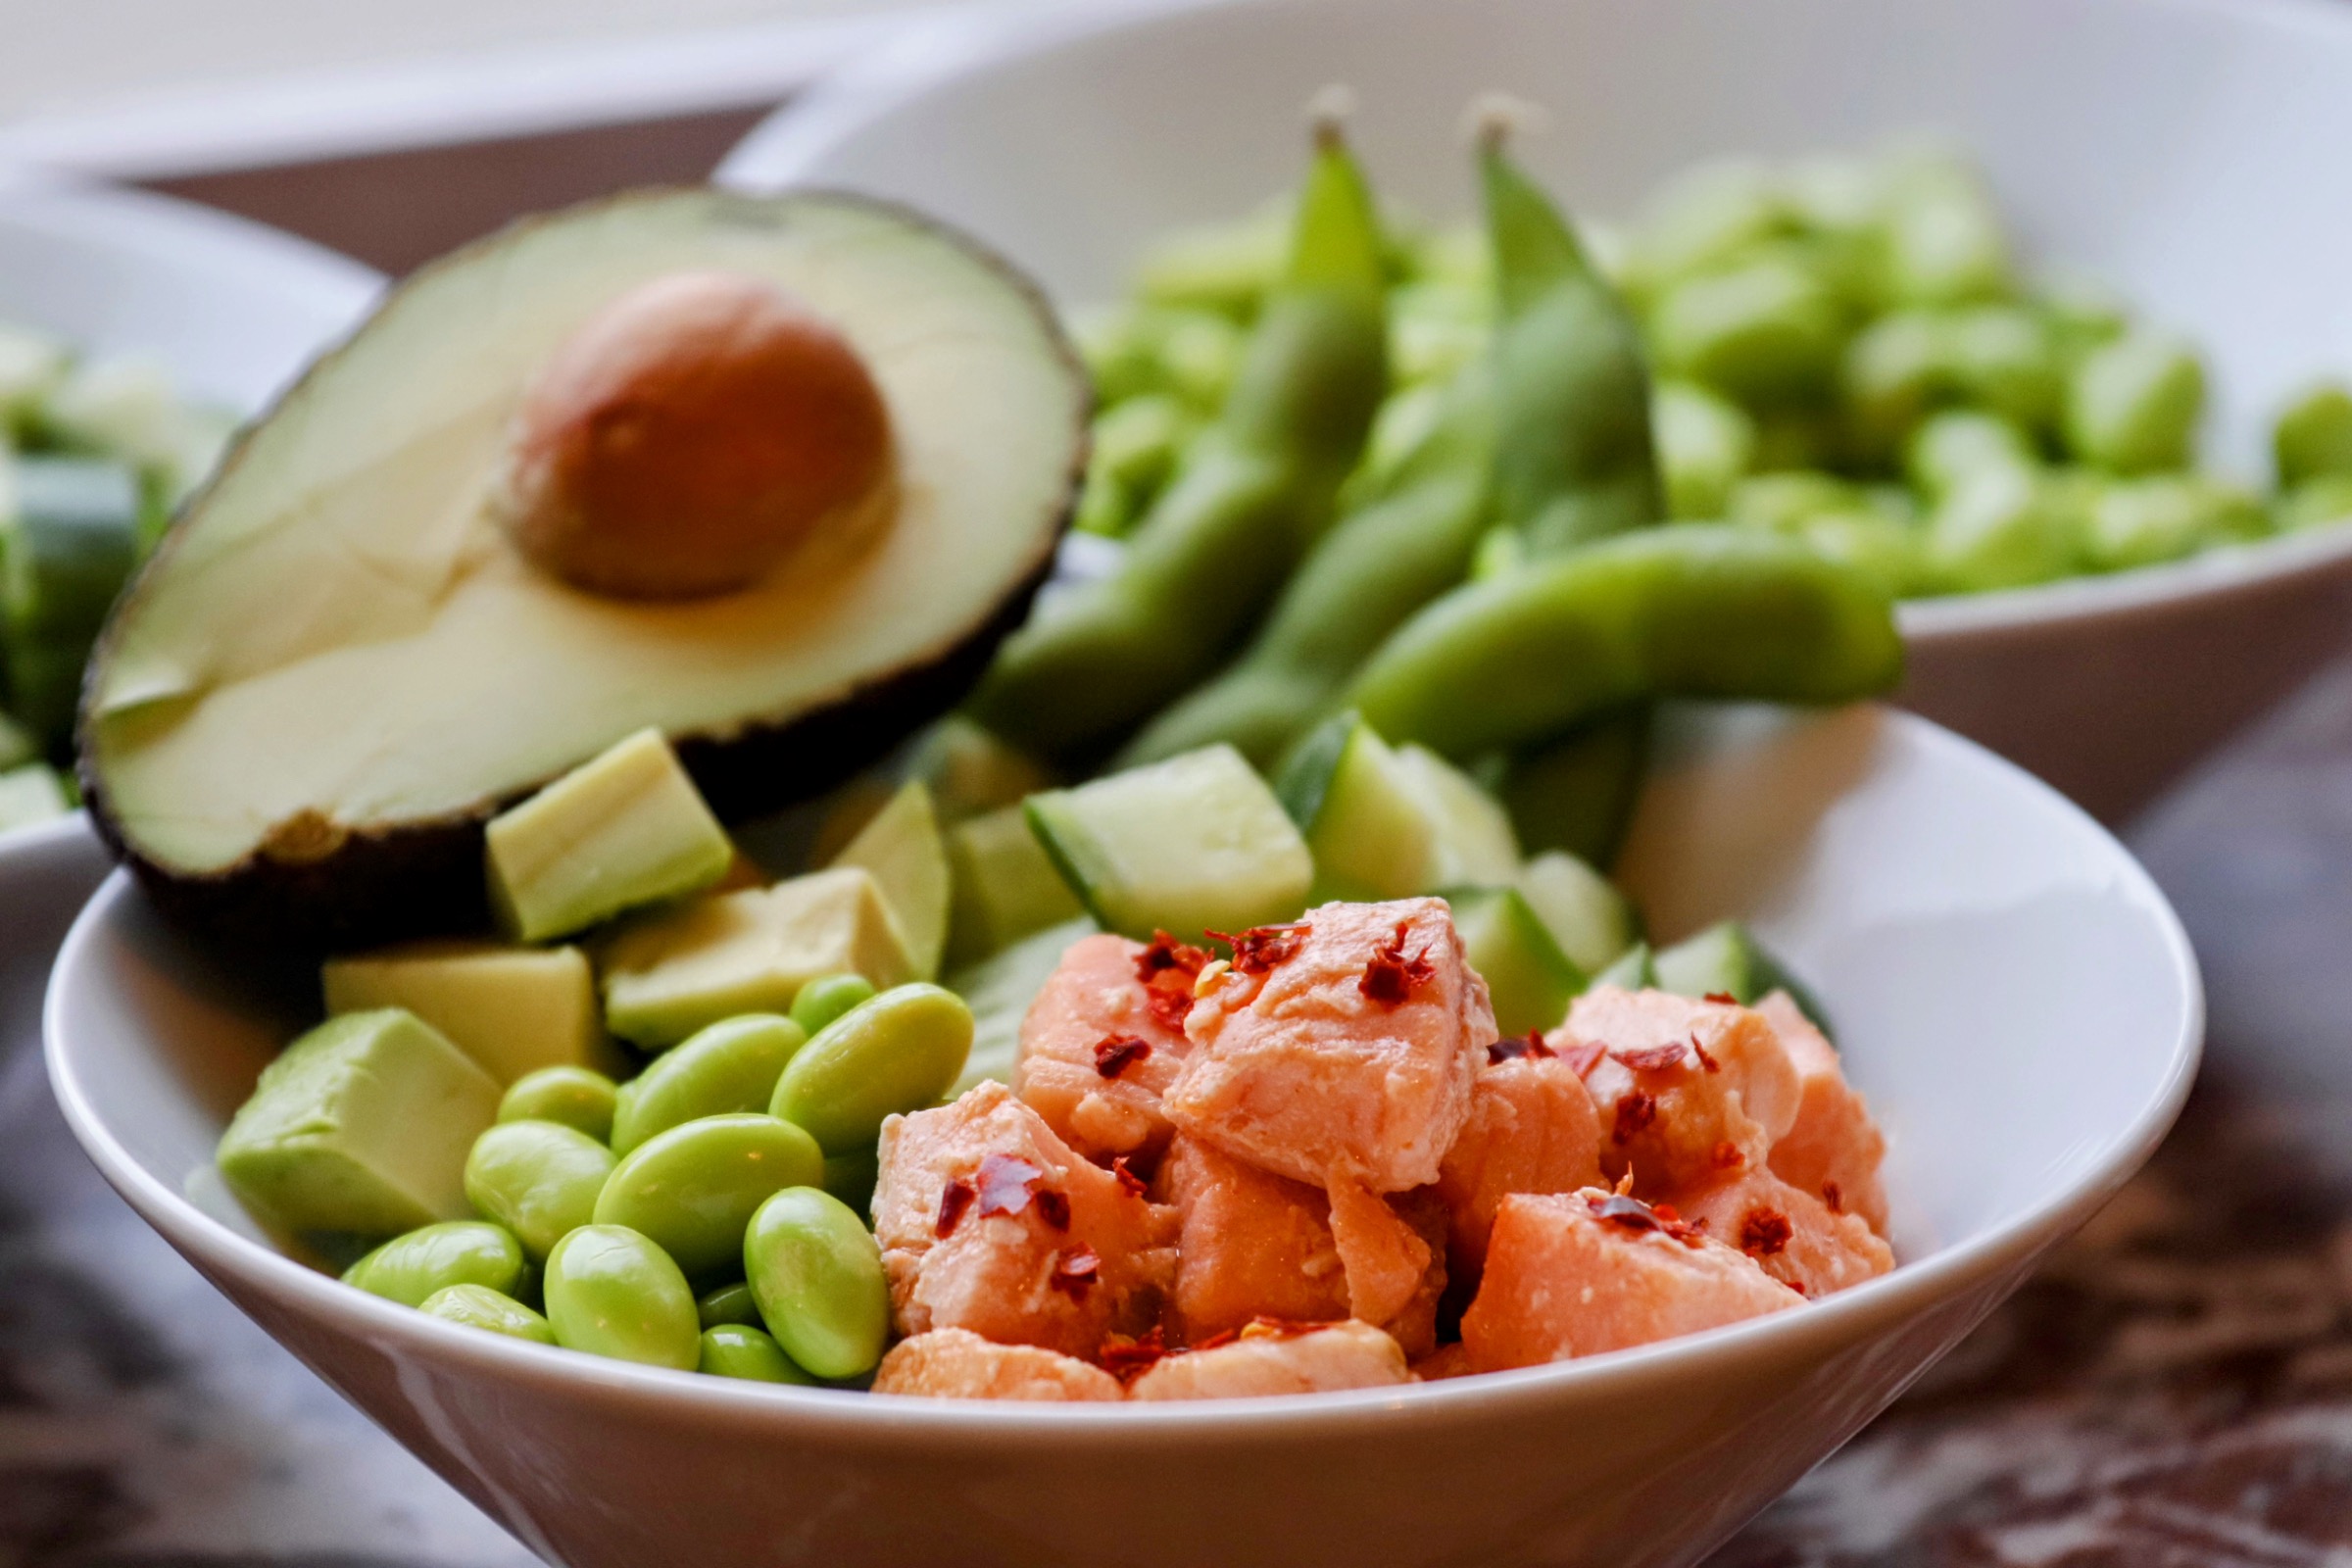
(818, 1275)
(611, 1292)
(730, 1066)
(1955, 446)
(2141, 523)
(2324, 500)
(461, 1252)
(827, 997)
(2003, 358)
(735, 1351)
(898, 1053)
(1770, 331)
(577, 1098)
(850, 1177)
(2132, 406)
(537, 1178)
(2002, 528)
(1940, 239)
(1706, 444)
(691, 1190)
(727, 1303)
(1695, 611)
(478, 1307)
(1255, 490)
(2314, 436)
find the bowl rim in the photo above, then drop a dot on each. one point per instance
(785, 147)
(856, 1418)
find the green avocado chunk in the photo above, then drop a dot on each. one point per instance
(513, 1009)
(360, 1128)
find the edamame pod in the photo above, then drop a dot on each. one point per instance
(898, 1053)
(1694, 611)
(827, 997)
(692, 1190)
(537, 1178)
(411, 1267)
(579, 1097)
(736, 1350)
(611, 1292)
(1253, 491)
(818, 1275)
(730, 1066)
(478, 1307)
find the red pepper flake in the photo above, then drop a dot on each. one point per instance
(1667, 1213)
(1390, 976)
(1259, 949)
(1075, 1272)
(1169, 1006)
(1168, 956)
(954, 1200)
(1634, 1112)
(1528, 1044)
(1115, 1054)
(1651, 1059)
(1128, 1357)
(1764, 1232)
(1054, 1208)
(1728, 1156)
(1724, 998)
(1705, 1060)
(1007, 1182)
(1129, 1182)
(1832, 1196)
(1584, 1056)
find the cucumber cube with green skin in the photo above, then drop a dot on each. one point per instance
(999, 990)
(1725, 959)
(1529, 978)
(624, 829)
(1192, 844)
(31, 795)
(1006, 885)
(1635, 969)
(1390, 823)
(360, 1128)
(513, 1009)
(67, 543)
(901, 848)
(1592, 923)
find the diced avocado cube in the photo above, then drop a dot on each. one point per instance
(999, 990)
(1727, 960)
(747, 952)
(1386, 822)
(1530, 979)
(903, 848)
(67, 543)
(1194, 843)
(1585, 915)
(624, 829)
(513, 1009)
(360, 1128)
(1006, 884)
(970, 770)
(31, 795)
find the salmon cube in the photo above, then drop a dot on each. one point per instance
(1347, 1041)
(1278, 1358)
(1833, 1150)
(1445, 1361)
(1102, 1041)
(1790, 1234)
(1531, 1129)
(988, 1221)
(1688, 1093)
(959, 1364)
(1573, 1274)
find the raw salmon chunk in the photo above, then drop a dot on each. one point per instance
(1531, 1129)
(1833, 1150)
(1278, 1358)
(1688, 1093)
(959, 1364)
(1347, 1041)
(1575, 1274)
(1790, 1234)
(1102, 1041)
(988, 1221)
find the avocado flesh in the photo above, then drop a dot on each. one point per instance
(337, 648)
(512, 1009)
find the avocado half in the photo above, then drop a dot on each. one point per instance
(336, 668)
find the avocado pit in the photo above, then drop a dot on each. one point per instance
(690, 436)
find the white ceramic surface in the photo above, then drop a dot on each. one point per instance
(2011, 990)
(231, 308)
(2182, 150)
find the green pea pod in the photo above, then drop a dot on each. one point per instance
(1694, 610)
(1574, 459)
(1401, 547)
(1253, 492)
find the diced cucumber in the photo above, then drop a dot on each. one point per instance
(1387, 823)
(1531, 980)
(1585, 915)
(1578, 793)
(1727, 960)
(30, 795)
(1635, 969)
(999, 990)
(1006, 885)
(902, 849)
(67, 547)
(1196, 843)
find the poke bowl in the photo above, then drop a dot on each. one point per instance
(1078, 142)
(1999, 971)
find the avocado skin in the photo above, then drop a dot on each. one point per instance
(424, 879)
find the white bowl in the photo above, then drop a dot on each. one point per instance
(233, 310)
(2012, 993)
(2179, 149)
